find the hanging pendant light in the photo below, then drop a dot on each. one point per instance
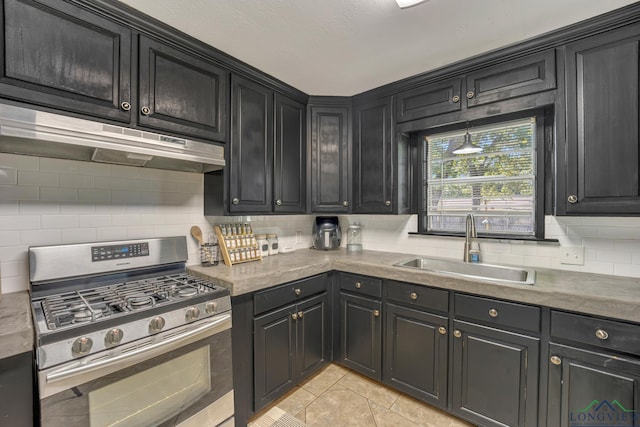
(467, 146)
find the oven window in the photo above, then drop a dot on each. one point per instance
(153, 395)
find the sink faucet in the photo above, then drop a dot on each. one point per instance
(471, 253)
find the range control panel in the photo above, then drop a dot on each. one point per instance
(130, 250)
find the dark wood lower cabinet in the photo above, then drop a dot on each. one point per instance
(588, 388)
(495, 376)
(361, 334)
(16, 390)
(415, 355)
(290, 344)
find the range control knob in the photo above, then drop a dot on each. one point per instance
(192, 314)
(156, 324)
(81, 346)
(210, 307)
(113, 337)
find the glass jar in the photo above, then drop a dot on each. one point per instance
(354, 238)
(273, 243)
(263, 244)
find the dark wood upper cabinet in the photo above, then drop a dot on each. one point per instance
(251, 150)
(532, 74)
(289, 162)
(429, 100)
(602, 162)
(373, 157)
(181, 93)
(329, 157)
(59, 55)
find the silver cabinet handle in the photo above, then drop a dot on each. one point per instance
(278, 202)
(601, 334)
(345, 203)
(125, 106)
(358, 285)
(442, 330)
(297, 291)
(235, 201)
(455, 99)
(387, 203)
(413, 296)
(376, 313)
(493, 312)
(145, 111)
(470, 94)
(457, 333)
(572, 198)
(555, 360)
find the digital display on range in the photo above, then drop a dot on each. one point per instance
(130, 250)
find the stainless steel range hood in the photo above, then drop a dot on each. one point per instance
(36, 133)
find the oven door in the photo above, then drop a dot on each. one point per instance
(178, 377)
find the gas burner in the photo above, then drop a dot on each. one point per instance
(86, 316)
(137, 302)
(187, 292)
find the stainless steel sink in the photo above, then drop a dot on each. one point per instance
(496, 273)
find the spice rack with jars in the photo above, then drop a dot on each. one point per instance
(237, 242)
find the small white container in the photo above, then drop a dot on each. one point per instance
(273, 244)
(263, 244)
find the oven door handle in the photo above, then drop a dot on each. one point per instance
(103, 363)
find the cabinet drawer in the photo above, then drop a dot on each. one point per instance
(290, 292)
(429, 100)
(495, 312)
(418, 296)
(608, 334)
(535, 73)
(361, 285)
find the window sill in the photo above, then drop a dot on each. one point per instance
(500, 239)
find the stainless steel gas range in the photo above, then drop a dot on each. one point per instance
(125, 337)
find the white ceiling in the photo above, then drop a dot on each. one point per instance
(344, 47)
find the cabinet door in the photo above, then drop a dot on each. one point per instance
(373, 158)
(181, 93)
(602, 124)
(361, 335)
(495, 376)
(525, 76)
(16, 390)
(429, 100)
(585, 386)
(330, 159)
(313, 333)
(289, 152)
(416, 353)
(251, 148)
(274, 347)
(62, 56)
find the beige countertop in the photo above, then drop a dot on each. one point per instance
(16, 328)
(601, 295)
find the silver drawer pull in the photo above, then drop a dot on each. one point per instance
(601, 334)
(493, 312)
(457, 333)
(442, 330)
(556, 360)
(413, 296)
(297, 291)
(358, 285)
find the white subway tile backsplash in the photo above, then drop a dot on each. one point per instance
(76, 181)
(111, 233)
(59, 221)
(56, 194)
(125, 197)
(19, 222)
(94, 169)
(13, 269)
(13, 253)
(79, 208)
(79, 235)
(14, 284)
(10, 238)
(17, 193)
(36, 207)
(141, 232)
(599, 268)
(110, 182)
(9, 207)
(58, 165)
(125, 220)
(8, 176)
(16, 161)
(40, 179)
(630, 270)
(615, 257)
(94, 195)
(40, 237)
(87, 221)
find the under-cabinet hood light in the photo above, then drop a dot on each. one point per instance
(408, 3)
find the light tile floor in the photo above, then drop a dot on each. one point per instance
(338, 396)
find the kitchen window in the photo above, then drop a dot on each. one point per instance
(501, 184)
